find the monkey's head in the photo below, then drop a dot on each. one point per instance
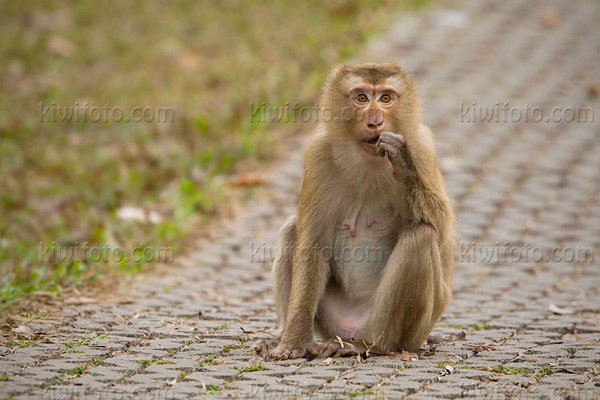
(363, 100)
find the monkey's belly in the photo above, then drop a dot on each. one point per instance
(356, 272)
(340, 316)
(358, 261)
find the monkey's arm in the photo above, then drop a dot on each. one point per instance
(417, 279)
(413, 159)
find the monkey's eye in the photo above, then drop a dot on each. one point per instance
(385, 98)
(361, 98)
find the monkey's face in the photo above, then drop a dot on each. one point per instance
(373, 108)
(371, 99)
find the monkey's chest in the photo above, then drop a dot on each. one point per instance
(362, 246)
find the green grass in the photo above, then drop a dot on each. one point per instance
(57, 380)
(147, 363)
(230, 347)
(483, 326)
(544, 371)
(212, 389)
(64, 182)
(476, 327)
(96, 362)
(209, 359)
(182, 376)
(77, 371)
(257, 366)
(502, 370)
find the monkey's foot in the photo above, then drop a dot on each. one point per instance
(285, 353)
(264, 347)
(347, 348)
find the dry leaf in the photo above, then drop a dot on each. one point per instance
(340, 341)
(450, 368)
(593, 89)
(551, 18)
(172, 382)
(458, 337)
(557, 310)
(406, 356)
(368, 348)
(245, 180)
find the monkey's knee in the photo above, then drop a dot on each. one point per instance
(421, 238)
(287, 232)
(286, 245)
(411, 284)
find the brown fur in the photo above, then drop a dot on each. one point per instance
(408, 293)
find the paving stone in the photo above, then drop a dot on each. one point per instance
(514, 185)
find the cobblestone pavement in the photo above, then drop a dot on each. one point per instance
(518, 327)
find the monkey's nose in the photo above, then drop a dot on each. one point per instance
(375, 125)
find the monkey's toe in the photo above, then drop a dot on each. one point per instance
(264, 347)
(282, 353)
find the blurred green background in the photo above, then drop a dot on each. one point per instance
(64, 182)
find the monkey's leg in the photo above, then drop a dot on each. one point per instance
(282, 280)
(282, 268)
(411, 294)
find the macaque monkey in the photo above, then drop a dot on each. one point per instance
(367, 262)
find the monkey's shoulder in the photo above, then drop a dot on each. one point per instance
(317, 154)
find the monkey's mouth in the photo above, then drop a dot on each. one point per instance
(373, 140)
(370, 145)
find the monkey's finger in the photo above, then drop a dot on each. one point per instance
(390, 150)
(378, 148)
(313, 349)
(327, 351)
(340, 353)
(392, 136)
(297, 354)
(261, 349)
(394, 139)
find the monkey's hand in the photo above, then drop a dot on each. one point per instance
(394, 146)
(344, 348)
